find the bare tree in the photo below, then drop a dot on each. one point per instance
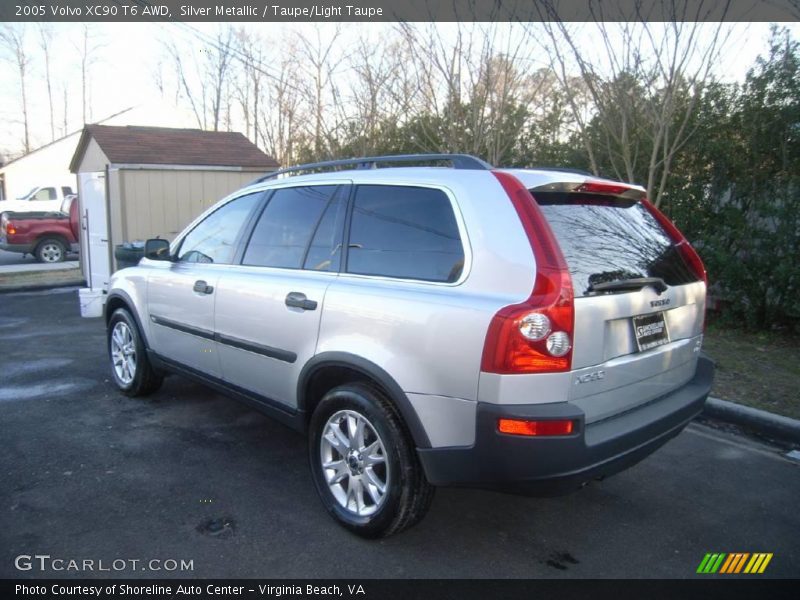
(87, 49)
(439, 74)
(322, 93)
(644, 80)
(195, 94)
(218, 62)
(380, 91)
(253, 70)
(45, 40)
(473, 84)
(499, 93)
(279, 114)
(12, 38)
(65, 128)
(204, 79)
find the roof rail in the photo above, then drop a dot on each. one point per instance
(460, 161)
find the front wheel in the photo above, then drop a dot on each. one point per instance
(364, 466)
(130, 367)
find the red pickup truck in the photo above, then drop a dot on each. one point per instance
(47, 236)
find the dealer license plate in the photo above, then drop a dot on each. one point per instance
(650, 331)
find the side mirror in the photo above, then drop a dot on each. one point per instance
(157, 249)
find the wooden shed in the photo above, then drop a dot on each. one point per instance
(136, 183)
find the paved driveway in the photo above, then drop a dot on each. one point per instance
(189, 474)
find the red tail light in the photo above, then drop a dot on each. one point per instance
(688, 253)
(10, 229)
(506, 350)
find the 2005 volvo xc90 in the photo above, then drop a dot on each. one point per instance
(514, 329)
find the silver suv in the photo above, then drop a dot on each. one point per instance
(526, 330)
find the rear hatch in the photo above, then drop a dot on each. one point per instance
(639, 303)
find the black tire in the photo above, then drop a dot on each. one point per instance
(51, 250)
(128, 256)
(408, 494)
(144, 379)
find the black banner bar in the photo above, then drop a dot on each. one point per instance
(290, 11)
(730, 588)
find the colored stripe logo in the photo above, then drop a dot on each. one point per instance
(734, 563)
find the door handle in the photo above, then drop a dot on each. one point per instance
(299, 300)
(201, 287)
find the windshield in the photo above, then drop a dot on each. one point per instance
(606, 239)
(29, 194)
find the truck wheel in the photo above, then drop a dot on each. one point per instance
(132, 371)
(364, 465)
(51, 250)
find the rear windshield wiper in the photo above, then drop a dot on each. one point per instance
(635, 283)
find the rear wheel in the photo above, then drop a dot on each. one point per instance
(364, 466)
(132, 371)
(51, 250)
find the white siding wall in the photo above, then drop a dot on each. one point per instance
(43, 167)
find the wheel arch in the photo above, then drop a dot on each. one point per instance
(119, 299)
(328, 369)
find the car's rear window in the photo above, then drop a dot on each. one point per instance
(606, 239)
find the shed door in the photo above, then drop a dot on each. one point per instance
(94, 241)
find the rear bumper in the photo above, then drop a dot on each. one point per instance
(554, 465)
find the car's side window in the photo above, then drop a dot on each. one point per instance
(406, 232)
(45, 194)
(286, 226)
(67, 191)
(213, 240)
(325, 251)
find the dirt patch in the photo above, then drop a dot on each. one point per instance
(761, 370)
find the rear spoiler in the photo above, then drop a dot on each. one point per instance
(595, 186)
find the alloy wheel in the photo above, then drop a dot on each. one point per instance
(354, 463)
(123, 352)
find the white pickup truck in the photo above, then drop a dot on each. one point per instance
(39, 199)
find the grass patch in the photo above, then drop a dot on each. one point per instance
(761, 370)
(25, 279)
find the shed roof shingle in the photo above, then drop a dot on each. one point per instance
(166, 146)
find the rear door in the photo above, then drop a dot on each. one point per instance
(638, 305)
(268, 307)
(181, 295)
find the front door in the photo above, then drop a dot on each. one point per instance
(181, 306)
(181, 295)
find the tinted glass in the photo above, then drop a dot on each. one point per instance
(406, 232)
(325, 251)
(285, 227)
(607, 240)
(213, 240)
